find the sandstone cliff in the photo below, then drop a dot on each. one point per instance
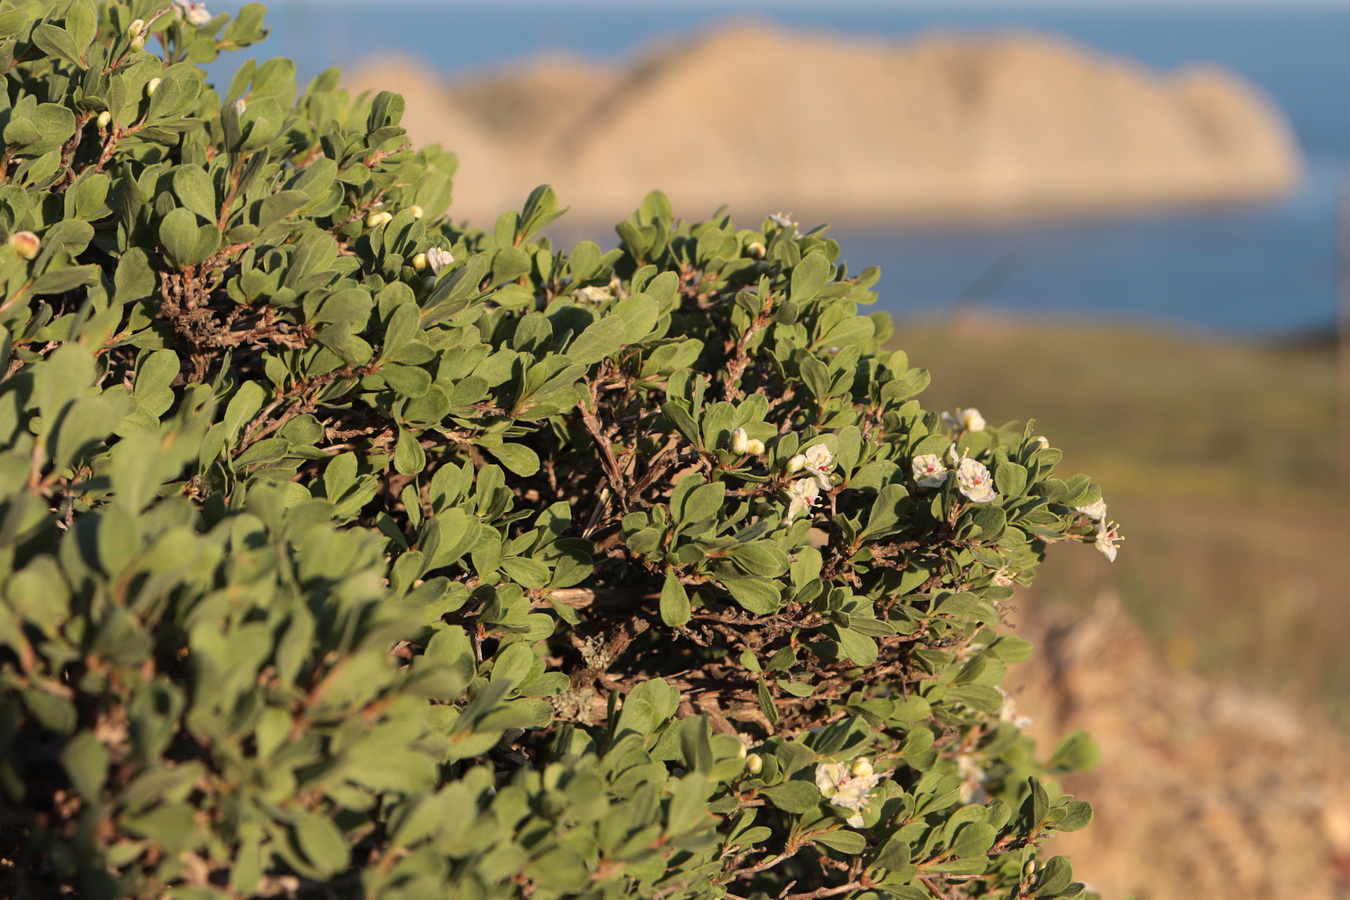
(765, 119)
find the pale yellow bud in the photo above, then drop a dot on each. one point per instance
(25, 243)
(739, 441)
(796, 464)
(419, 262)
(104, 120)
(862, 768)
(754, 764)
(376, 219)
(1029, 869)
(743, 751)
(416, 211)
(754, 446)
(152, 85)
(755, 250)
(137, 30)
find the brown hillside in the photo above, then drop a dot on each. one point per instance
(765, 119)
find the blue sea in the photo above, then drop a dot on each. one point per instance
(1254, 271)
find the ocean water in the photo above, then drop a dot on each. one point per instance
(1268, 270)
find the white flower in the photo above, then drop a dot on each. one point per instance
(820, 462)
(1004, 577)
(973, 479)
(1094, 511)
(964, 420)
(1043, 441)
(240, 105)
(802, 495)
(783, 220)
(843, 788)
(1108, 537)
(929, 470)
(194, 13)
(438, 259)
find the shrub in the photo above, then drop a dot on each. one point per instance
(348, 552)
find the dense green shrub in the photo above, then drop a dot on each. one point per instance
(349, 552)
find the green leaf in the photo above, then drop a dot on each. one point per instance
(56, 41)
(517, 457)
(849, 843)
(756, 595)
(195, 191)
(409, 457)
(797, 797)
(86, 761)
(1078, 752)
(809, 276)
(323, 845)
(1010, 479)
(674, 601)
(178, 236)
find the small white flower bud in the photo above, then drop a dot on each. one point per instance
(743, 752)
(376, 219)
(1043, 441)
(104, 120)
(796, 464)
(754, 764)
(862, 768)
(1029, 869)
(739, 441)
(25, 243)
(419, 262)
(416, 211)
(754, 447)
(152, 85)
(137, 30)
(755, 250)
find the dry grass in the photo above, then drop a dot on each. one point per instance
(1217, 458)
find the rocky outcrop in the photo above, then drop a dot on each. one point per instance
(1203, 790)
(765, 119)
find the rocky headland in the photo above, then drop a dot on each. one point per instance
(764, 119)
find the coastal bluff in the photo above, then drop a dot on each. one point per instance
(766, 119)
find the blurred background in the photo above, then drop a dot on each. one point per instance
(1120, 218)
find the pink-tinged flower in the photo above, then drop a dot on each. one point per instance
(964, 420)
(819, 463)
(25, 243)
(1094, 511)
(802, 495)
(192, 12)
(1108, 539)
(1005, 577)
(929, 470)
(848, 787)
(974, 480)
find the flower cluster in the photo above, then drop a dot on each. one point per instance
(817, 462)
(848, 787)
(1108, 535)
